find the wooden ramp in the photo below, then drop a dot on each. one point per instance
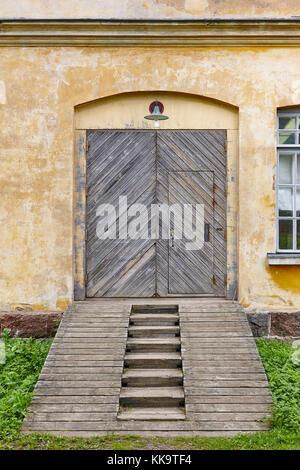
(80, 387)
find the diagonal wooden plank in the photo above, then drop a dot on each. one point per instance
(191, 151)
(123, 166)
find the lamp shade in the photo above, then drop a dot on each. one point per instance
(156, 109)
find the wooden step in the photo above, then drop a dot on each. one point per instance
(149, 331)
(153, 344)
(150, 360)
(79, 389)
(152, 396)
(152, 413)
(154, 309)
(150, 319)
(152, 377)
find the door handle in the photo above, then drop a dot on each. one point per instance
(172, 238)
(206, 232)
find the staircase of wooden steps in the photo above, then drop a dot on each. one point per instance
(209, 381)
(152, 379)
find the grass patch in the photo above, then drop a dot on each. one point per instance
(25, 358)
(284, 380)
(24, 361)
(273, 440)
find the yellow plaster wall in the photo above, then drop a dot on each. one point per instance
(148, 8)
(42, 86)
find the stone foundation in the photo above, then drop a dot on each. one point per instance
(25, 324)
(279, 324)
(43, 324)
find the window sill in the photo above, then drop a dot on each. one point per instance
(283, 258)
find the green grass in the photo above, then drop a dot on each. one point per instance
(24, 360)
(284, 381)
(273, 440)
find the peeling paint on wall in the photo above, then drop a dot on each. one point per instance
(149, 8)
(43, 85)
(62, 304)
(2, 92)
(287, 278)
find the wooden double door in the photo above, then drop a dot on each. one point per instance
(132, 178)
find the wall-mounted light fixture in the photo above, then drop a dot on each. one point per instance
(156, 110)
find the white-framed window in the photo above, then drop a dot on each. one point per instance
(288, 181)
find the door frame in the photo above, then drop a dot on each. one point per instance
(79, 219)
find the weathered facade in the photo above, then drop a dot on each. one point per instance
(59, 79)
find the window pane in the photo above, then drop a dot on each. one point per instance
(298, 202)
(298, 234)
(285, 202)
(286, 168)
(298, 169)
(287, 123)
(287, 138)
(285, 234)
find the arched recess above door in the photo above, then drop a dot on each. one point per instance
(127, 111)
